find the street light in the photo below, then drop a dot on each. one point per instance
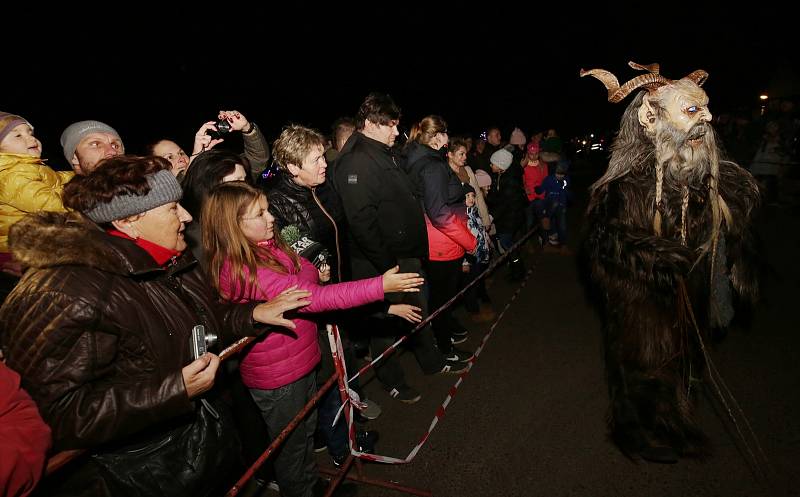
(763, 97)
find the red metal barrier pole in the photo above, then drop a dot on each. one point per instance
(380, 483)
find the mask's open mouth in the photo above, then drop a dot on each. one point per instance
(696, 137)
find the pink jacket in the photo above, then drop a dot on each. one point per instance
(284, 355)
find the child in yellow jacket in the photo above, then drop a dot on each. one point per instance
(27, 184)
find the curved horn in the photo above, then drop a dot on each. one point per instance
(653, 68)
(651, 81)
(699, 76)
(609, 80)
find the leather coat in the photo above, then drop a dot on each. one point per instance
(100, 333)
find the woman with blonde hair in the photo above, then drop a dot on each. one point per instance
(248, 261)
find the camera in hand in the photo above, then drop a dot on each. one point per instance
(202, 341)
(223, 127)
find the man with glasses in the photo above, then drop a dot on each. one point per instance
(386, 228)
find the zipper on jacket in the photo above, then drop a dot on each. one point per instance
(335, 232)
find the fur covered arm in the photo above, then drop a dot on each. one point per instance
(622, 248)
(743, 254)
(741, 199)
(619, 252)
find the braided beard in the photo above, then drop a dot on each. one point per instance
(690, 161)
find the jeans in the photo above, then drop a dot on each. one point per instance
(516, 268)
(295, 467)
(478, 290)
(335, 436)
(535, 211)
(559, 222)
(505, 240)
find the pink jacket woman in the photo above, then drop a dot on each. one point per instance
(287, 355)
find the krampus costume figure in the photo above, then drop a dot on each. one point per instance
(669, 242)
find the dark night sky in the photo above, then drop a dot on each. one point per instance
(161, 74)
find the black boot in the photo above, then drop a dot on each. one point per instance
(516, 268)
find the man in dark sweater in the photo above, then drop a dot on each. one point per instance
(386, 228)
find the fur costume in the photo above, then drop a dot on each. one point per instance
(669, 244)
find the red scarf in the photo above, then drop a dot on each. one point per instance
(160, 254)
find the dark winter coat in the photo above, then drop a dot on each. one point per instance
(317, 213)
(100, 333)
(507, 200)
(556, 191)
(443, 196)
(384, 216)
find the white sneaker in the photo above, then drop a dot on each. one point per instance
(454, 367)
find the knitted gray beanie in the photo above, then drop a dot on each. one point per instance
(75, 132)
(164, 188)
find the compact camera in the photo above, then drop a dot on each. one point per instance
(223, 127)
(202, 341)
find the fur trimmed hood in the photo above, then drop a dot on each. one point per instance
(49, 239)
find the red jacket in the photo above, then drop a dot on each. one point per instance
(448, 243)
(533, 177)
(443, 198)
(24, 437)
(283, 355)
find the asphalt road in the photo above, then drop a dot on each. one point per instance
(529, 418)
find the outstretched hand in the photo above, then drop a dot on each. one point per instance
(393, 281)
(272, 312)
(408, 312)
